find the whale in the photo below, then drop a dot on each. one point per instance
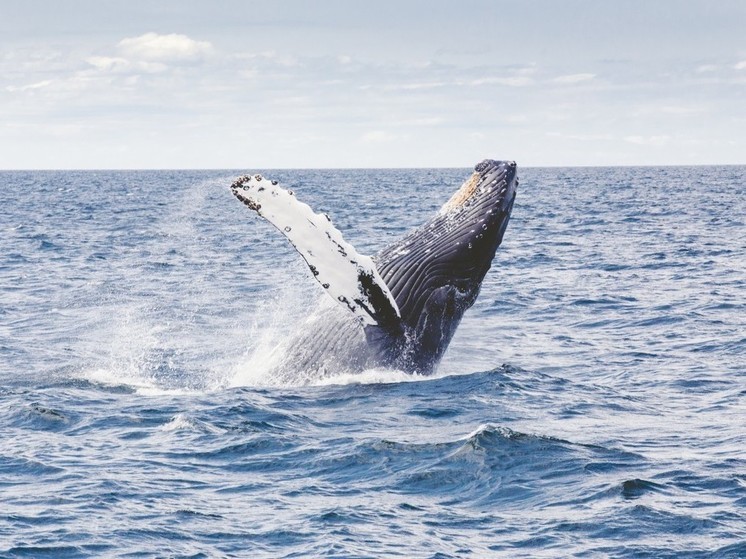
(400, 308)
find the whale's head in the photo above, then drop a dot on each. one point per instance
(435, 273)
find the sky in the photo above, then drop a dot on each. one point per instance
(224, 84)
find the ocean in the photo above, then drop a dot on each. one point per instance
(592, 403)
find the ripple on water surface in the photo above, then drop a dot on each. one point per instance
(141, 416)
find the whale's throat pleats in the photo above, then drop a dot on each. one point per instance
(455, 248)
(409, 298)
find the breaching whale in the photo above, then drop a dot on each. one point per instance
(400, 308)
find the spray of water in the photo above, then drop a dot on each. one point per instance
(176, 323)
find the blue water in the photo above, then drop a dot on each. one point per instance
(592, 403)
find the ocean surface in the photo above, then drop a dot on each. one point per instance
(592, 403)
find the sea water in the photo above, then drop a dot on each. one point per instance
(591, 404)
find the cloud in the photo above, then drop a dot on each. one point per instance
(413, 86)
(378, 136)
(164, 48)
(425, 121)
(683, 110)
(117, 64)
(573, 78)
(671, 109)
(29, 87)
(107, 62)
(268, 56)
(511, 81)
(345, 92)
(656, 141)
(150, 54)
(581, 137)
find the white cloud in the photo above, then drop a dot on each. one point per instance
(516, 118)
(378, 136)
(362, 96)
(412, 86)
(164, 48)
(574, 78)
(682, 110)
(520, 78)
(150, 54)
(107, 63)
(426, 121)
(675, 109)
(119, 65)
(526, 70)
(29, 87)
(511, 81)
(581, 137)
(267, 58)
(656, 141)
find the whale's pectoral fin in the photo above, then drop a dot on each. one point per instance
(349, 278)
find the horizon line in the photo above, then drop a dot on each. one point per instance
(444, 167)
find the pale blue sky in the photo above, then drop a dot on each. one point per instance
(242, 84)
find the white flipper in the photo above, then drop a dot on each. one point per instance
(350, 278)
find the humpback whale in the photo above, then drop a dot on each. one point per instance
(400, 308)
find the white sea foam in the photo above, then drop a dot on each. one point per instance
(151, 344)
(182, 422)
(179, 422)
(152, 347)
(370, 376)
